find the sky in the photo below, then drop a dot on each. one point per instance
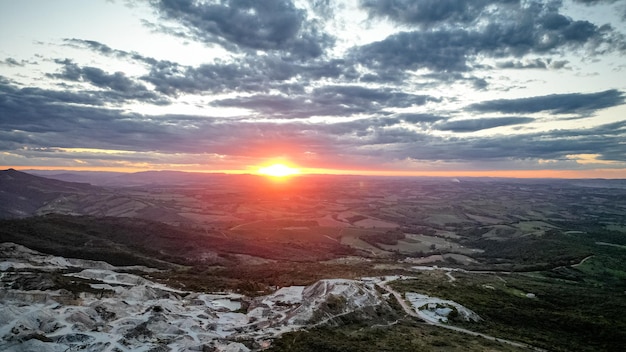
(400, 87)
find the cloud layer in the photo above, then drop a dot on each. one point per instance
(449, 85)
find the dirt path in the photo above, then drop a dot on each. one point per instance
(411, 312)
(408, 310)
(245, 224)
(582, 261)
(450, 277)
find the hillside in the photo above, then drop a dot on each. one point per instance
(23, 195)
(541, 262)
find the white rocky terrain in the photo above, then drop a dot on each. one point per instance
(106, 308)
(437, 310)
(125, 312)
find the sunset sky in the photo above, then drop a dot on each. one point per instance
(399, 87)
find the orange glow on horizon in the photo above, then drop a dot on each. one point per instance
(278, 170)
(545, 173)
(608, 173)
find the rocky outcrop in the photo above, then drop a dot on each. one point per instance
(109, 310)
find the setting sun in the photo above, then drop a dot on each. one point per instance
(278, 170)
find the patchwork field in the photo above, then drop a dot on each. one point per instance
(540, 268)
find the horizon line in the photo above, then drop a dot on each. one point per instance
(613, 174)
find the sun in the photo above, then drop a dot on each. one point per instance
(278, 170)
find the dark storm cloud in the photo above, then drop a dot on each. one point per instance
(117, 86)
(473, 125)
(574, 103)
(259, 25)
(511, 30)
(327, 101)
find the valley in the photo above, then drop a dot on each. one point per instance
(218, 262)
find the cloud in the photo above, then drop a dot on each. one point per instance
(249, 74)
(368, 97)
(510, 29)
(96, 76)
(385, 101)
(13, 99)
(39, 118)
(419, 118)
(438, 51)
(427, 12)
(341, 101)
(473, 125)
(106, 50)
(574, 103)
(243, 76)
(117, 86)
(34, 120)
(532, 64)
(258, 25)
(9, 61)
(554, 145)
(595, 2)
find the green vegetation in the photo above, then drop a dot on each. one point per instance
(553, 252)
(130, 241)
(560, 315)
(397, 336)
(255, 280)
(528, 253)
(116, 241)
(389, 238)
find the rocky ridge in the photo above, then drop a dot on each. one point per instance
(55, 304)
